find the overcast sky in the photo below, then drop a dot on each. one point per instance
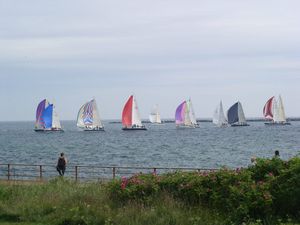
(162, 51)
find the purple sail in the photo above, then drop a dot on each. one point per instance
(39, 111)
(179, 115)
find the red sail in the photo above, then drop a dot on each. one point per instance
(268, 109)
(127, 113)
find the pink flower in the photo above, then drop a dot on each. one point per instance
(124, 183)
(271, 174)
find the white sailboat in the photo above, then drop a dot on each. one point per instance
(154, 116)
(219, 117)
(88, 117)
(274, 112)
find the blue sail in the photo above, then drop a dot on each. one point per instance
(47, 116)
(233, 114)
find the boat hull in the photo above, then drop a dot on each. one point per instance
(186, 127)
(239, 125)
(134, 128)
(96, 129)
(277, 124)
(48, 130)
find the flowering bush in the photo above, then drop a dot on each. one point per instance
(270, 188)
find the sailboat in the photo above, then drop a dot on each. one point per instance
(274, 112)
(185, 116)
(154, 116)
(46, 117)
(236, 116)
(219, 117)
(88, 117)
(131, 117)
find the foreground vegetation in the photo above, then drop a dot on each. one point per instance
(267, 193)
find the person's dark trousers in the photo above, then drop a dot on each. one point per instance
(61, 171)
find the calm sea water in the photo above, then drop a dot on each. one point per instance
(161, 145)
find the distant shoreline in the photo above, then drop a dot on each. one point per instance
(210, 120)
(205, 120)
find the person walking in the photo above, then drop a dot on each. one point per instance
(61, 164)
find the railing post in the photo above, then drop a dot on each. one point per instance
(76, 173)
(114, 172)
(8, 171)
(41, 172)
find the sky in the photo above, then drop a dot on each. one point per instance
(163, 52)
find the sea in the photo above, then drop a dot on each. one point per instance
(160, 146)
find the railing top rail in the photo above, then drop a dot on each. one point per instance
(111, 167)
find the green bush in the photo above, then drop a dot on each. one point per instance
(260, 192)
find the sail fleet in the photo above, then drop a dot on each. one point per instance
(88, 117)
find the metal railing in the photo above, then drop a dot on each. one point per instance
(32, 172)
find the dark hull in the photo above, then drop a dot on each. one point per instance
(134, 128)
(187, 127)
(240, 125)
(54, 130)
(277, 124)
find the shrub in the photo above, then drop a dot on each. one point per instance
(264, 191)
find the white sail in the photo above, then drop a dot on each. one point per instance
(154, 116)
(55, 119)
(241, 114)
(219, 117)
(281, 113)
(96, 116)
(187, 119)
(191, 112)
(80, 122)
(136, 119)
(215, 119)
(88, 116)
(275, 110)
(222, 118)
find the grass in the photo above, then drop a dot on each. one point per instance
(63, 202)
